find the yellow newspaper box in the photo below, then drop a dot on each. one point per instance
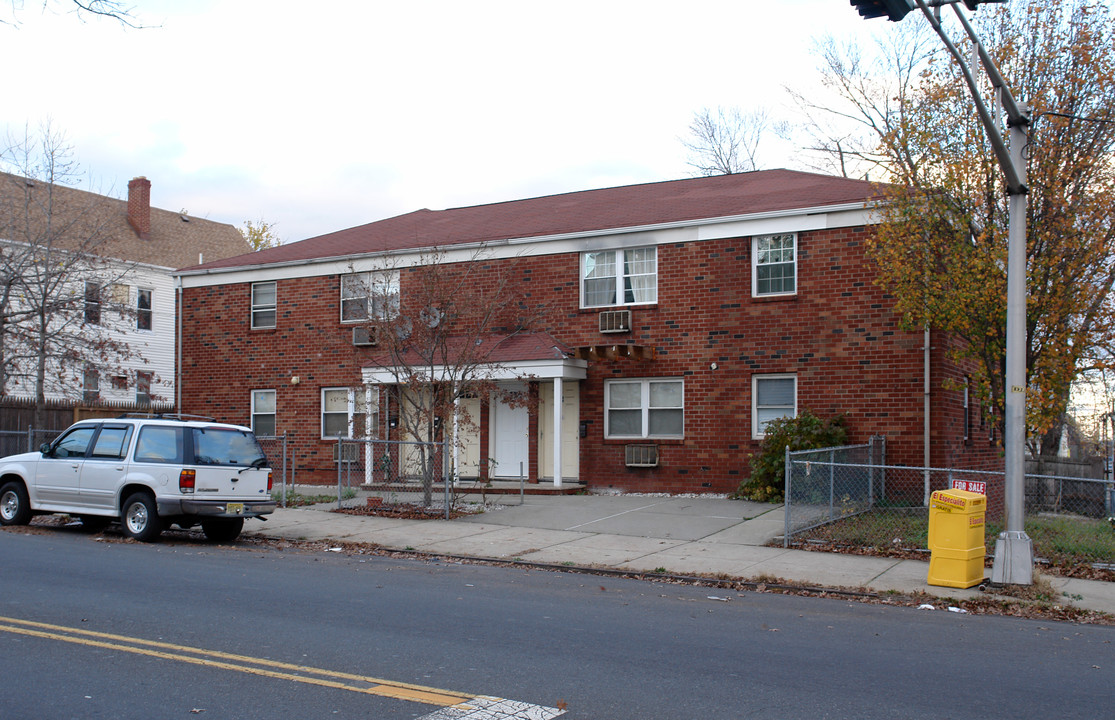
(956, 538)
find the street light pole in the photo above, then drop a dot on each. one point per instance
(1014, 556)
(1014, 553)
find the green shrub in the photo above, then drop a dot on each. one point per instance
(768, 469)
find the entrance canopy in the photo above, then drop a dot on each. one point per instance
(494, 357)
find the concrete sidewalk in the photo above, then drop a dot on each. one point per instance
(638, 533)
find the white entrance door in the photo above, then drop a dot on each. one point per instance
(510, 448)
(468, 438)
(570, 422)
(414, 450)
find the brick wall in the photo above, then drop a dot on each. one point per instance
(838, 334)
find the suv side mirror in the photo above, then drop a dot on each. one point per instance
(44, 448)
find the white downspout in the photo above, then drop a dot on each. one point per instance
(925, 420)
(178, 347)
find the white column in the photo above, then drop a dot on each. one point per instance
(559, 396)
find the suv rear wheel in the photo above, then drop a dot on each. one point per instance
(14, 506)
(140, 519)
(224, 530)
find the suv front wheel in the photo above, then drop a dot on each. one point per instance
(140, 519)
(14, 507)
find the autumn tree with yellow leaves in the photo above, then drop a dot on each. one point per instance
(942, 246)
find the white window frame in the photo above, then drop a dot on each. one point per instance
(149, 311)
(92, 305)
(274, 413)
(377, 292)
(260, 309)
(756, 428)
(621, 278)
(369, 400)
(90, 385)
(144, 381)
(644, 407)
(757, 255)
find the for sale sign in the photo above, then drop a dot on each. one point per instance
(976, 486)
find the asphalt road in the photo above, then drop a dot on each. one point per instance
(177, 630)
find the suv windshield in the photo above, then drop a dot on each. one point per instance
(221, 446)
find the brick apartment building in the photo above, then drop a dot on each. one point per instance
(679, 318)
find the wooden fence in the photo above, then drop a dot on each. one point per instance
(18, 414)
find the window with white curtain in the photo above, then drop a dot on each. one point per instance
(772, 397)
(619, 277)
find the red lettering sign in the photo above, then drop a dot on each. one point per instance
(975, 486)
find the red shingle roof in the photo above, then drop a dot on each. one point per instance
(521, 347)
(585, 211)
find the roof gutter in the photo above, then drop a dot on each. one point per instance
(501, 242)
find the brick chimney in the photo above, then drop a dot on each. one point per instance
(139, 206)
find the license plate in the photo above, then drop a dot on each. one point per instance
(234, 508)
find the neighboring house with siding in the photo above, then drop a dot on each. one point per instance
(681, 317)
(119, 294)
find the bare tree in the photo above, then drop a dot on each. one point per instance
(726, 141)
(864, 95)
(441, 343)
(114, 9)
(58, 312)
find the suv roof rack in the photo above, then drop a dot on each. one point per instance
(182, 417)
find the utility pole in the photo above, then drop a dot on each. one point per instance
(1014, 555)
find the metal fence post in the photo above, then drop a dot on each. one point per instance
(30, 438)
(871, 471)
(284, 467)
(883, 463)
(340, 465)
(832, 483)
(786, 499)
(445, 466)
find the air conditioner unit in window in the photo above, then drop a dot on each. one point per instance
(350, 451)
(640, 455)
(615, 321)
(364, 336)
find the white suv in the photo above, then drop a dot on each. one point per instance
(147, 473)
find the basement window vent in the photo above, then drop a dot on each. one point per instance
(365, 336)
(641, 455)
(615, 321)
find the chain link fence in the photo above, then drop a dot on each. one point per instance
(280, 457)
(849, 497)
(394, 468)
(14, 442)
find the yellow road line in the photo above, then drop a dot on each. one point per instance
(238, 663)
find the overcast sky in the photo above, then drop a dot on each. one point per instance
(320, 116)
